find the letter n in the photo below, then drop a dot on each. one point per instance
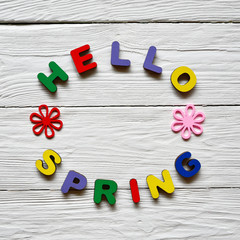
(154, 183)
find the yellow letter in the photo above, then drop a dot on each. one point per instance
(189, 85)
(154, 182)
(49, 157)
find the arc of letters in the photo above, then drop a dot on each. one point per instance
(107, 188)
(103, 187)
(82, 66)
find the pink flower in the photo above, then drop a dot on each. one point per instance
(45, 121)
(188, 121)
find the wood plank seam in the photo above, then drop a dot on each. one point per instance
(119, 188)
(124, 106)
(113, 22)
(22, 23)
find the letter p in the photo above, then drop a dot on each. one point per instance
(74, 180)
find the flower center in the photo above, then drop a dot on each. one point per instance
(46, 121)
(188, 121)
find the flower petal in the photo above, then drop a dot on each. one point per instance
(38, 132)
(52, 111)
(177, 126)
(51, 130)
(43, 107)
(199, 117)
(197, 129)
(53, 124)
(36, 115)
(190, 110)
(178, 114)
(186, 133)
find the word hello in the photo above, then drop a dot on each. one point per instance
(107, 188)
(81, 66)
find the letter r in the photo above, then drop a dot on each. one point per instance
(106, 188)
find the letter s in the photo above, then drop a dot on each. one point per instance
(50, 157)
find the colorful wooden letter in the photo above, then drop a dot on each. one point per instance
(194, 163)
(79, 60)
(148, 63)
(134, 190)
(106, 188)
(49, 157)
(74, 180)
(115, 61)
(57, 72)
(154, 183)
(189, 85)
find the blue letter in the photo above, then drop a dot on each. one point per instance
(192, 163)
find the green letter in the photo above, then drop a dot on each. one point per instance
(106, 188)
(57, 72)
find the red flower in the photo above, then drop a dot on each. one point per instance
(45, 122)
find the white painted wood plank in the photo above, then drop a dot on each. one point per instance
(122, 11)
(212, 51)
(119, 144)
(188, 214)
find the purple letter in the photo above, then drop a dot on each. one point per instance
(149, 60)
(74, 180)
(115, 56)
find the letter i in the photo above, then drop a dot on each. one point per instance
(134, 190)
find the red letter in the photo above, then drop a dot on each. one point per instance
(134, 190)
(78, 60)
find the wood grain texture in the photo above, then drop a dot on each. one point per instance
(210, 50)
(119, 144)
(188, 214)
(117, 123)
(119, 11)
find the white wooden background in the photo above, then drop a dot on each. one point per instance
(117, 124)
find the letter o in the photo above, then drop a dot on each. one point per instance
(189, 85)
